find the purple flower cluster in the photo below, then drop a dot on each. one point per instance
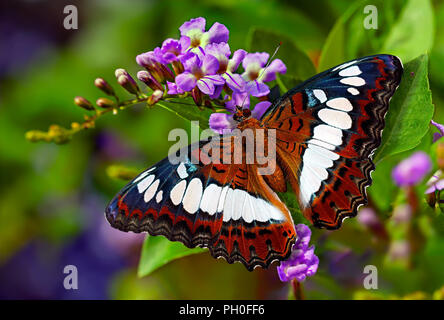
(202, 64)
(302, 262)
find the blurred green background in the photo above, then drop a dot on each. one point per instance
(53, 196)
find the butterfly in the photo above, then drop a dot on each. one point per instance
(326, 131)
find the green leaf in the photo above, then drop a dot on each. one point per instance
(158, 251)
(410, 111)
(187, 110)
(333, 51)
(299, 65)
(413, 33)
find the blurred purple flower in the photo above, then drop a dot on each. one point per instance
(402, 214)
(200, 72)
(368, 218)
(399, 250)
(256, 74)
(345, 266)
(412, 170)
(437, 135)
(194, 30)
(302, 262)
(224, 123)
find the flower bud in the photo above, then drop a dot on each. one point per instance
(166, 72)
(83, 103)
(155, 97)
(36, 135)
(148, 61)
(146, 78)
(127, 84)
(177, 67)
(105, 103)
(197, 96)
(104, 86)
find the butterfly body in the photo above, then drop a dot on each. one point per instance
(323, 134)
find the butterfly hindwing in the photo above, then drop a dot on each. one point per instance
(224, 207)
(327, 129)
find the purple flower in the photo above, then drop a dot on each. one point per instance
(302, 262)
(227, 67)
(224, 123)
(173, 88)
(194, 30)
(435, 183)
(200, 72)
(437, 135)
(412, 170)
(256, 74)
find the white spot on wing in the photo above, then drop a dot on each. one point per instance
(223, 195)
(320, 95)
(182, 171)
(191, 199)
(210, 199)
(159, 196)
(151, 191)
(335, 118)
(353, 91)
(353, 81)
(228, 204)
(350, 71)
(340, 103)
(145, 183)
(328, 134)
(177, 192)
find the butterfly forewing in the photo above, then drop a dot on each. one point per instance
(327, 130)
(226, 207)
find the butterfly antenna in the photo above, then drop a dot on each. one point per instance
(265, 68)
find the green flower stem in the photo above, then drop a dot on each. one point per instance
(60, 135)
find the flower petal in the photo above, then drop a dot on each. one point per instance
(185, 42)
(219, 50)
(186, 81)
(210, 64)
(217, 92)
(190, 61)
(197, 23)
(234, 81)
(218, 33)
(259, 58)
(206, 86)
(236, 60)
(238, 99)
(260, 108)
(276, 66)
(221, 122)
(173, 88)
(257, 89)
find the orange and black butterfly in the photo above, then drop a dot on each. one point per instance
(325, 130)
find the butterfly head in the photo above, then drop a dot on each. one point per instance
(242, 114)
